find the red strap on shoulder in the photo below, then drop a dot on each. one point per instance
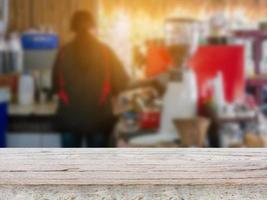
(62, 93)
(106, 89)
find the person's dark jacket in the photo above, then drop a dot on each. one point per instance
(81, 72)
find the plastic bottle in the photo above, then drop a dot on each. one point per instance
(26, 89)
(3, 55)
(219, 97)
(15, 53)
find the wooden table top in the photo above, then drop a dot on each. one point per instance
(133, 167)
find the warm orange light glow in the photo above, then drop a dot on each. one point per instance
(148, 16)
(124, 23)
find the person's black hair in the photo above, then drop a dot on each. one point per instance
(82, 21)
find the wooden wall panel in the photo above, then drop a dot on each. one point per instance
(55, 13)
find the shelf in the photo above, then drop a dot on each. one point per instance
(251, 34)
(257, 81)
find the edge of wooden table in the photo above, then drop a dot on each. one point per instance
(133, 167)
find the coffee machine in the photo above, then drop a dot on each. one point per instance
(40, 51)
(180, 100)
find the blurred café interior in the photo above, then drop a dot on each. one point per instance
(207, 60)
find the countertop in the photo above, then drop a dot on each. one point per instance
(37, 118)
(47, 109)
(133, 174)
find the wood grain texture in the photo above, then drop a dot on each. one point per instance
(91, 167)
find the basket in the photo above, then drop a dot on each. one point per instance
(193, 132)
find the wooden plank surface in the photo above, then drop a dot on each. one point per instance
(133, 167)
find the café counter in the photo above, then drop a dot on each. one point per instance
(33, 118)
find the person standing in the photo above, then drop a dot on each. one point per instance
(88, 77)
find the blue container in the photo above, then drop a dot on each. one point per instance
(3, 123)
(32, 41)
